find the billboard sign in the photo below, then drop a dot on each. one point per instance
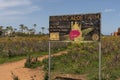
(79, 27)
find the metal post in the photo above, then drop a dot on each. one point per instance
(49, 63)
(100, 60)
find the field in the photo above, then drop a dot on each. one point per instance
(19, 47)
(81, 59)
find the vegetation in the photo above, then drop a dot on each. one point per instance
(32, 62)
(110, 58)
(83, 59)
(16, 48)
(23, 30)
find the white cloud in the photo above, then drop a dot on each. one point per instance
(17, 7)
(23, 11)
(4, 4)
(109, 10)
(9, 12)
(32, 9)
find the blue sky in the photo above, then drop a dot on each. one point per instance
(29, 12)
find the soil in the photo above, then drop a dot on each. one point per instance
(9, 70)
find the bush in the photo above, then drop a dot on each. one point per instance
(83, 59)
(32, 62)
(28, 62)
(16, 46)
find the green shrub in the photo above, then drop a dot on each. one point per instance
(32, 62)
(28, 62)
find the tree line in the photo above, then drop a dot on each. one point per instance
(21, 30)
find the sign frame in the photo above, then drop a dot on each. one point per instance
(60, 26)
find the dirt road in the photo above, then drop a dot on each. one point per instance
(23, 73)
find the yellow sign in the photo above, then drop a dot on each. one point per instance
(54, 36)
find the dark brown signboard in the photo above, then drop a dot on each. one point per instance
(79, 27)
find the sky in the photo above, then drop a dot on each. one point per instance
(29, 12)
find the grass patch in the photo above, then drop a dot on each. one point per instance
(20, 57)
(83, 59)
(79, 60)
(12, 59)
(17, 58)
(33, 65)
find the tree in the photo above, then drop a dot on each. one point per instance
(43, 28)
(9, 30)
(22, 27)
(1, 27)
(25, 28)
(15, 29)
(34, 26)
(1, 30)
(31, 31)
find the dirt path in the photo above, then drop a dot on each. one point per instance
(23, 73)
